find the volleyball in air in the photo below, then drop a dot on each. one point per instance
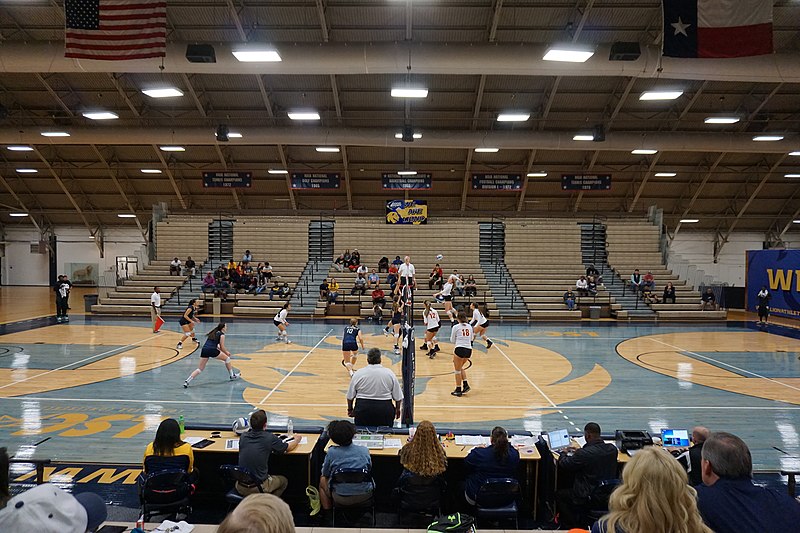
(439, 257)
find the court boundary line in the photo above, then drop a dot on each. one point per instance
(300, 362)
(727, 364)
(85, 359)
(524, 375)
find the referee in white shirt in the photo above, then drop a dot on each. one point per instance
(155, 307)
(406, 272)
(376, 392)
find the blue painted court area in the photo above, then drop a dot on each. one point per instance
(102, 402)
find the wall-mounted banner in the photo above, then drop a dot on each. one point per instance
(406, 212)
(315, 180)
(497, 182)
(395, 182)
(228, 179)
(779, 272)
(585, 182)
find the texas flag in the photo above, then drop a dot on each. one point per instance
(717, 28)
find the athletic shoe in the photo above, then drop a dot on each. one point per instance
(385, 332)
(236, 375)
(431, 354)
(185, 384)
(66, 319)
(343, 363)
(436, 349)
(466, 389)
(396, 350)
(351, 373)
(278, 338)
(179, 346)
(423, 346)
(60, 320)
(288, 341)
(488, 344)
(457, 392)
(195, 339)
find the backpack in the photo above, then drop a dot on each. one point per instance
(453, 523)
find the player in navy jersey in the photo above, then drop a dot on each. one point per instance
(187, 322)
(394, 324)
(351, 338)
(214, 348)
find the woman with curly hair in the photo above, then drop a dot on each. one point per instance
(424, 455)
(654, 496)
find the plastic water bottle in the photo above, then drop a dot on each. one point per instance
(181, 425)
(290, 428)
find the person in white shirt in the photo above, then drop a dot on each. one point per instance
(406, 273)
(175, 267)
(445, 295)
(155, 307)
(480, 323)
(430, 318)
(247, 257)
(461, 335)
(281, 323)
(362, 269)
(374, 388)
(582, 286)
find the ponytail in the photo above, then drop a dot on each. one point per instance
(500, 444)
(427, 304)
(213, 333)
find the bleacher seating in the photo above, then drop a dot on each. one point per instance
(634, 243)
(181, 236)
(132, 297)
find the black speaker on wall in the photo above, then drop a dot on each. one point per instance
(201, 53)
(622, 51)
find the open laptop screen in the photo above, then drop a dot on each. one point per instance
(675, 438)
(558, 439)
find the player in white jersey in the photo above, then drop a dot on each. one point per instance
(446, 296)
(430, 318)
(281, 323)
(480, 323)
(461, 335)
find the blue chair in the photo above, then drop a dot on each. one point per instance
(165, 492)
(241, 475)
(361, 500)
(497, 500)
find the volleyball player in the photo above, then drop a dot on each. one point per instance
(281, 323)
(480, 323)
(446, 295)
(214, 348)
(350, 340)
(187, 322)
(431, 320)
(394, 324)
(461, 335)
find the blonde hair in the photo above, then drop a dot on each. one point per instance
(259, 513)
(655, 497)
(353, 321)
(424, 455)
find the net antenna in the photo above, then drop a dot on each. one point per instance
(408, 352)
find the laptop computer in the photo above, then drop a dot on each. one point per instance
(675, 438)
(559, 440)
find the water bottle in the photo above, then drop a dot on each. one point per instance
(181, 425)
(290, 428)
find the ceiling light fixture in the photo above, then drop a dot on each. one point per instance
(409, 92)
(795, 153)
(660, 95)
(126, 215)
(150, 171)
(54, 134)
(172, 148)
(20, 148)
(487, 150)
(328, 149)
(165, 92)
(536, 174)
(721, 120)
(399, 135)
(234, 135)
(583, 137)
(689, 220)
(796, 221)
(666, 174)
(303, 114)
(768, 138)
(18, 214)
(406, 172)
(277, 171)
(791, 175)
(644, 151)
(257, 54)
(27, 170)
(569, 53)
(513, 117)
(100, 115)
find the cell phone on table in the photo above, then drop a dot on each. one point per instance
(203, 443)
(112, 529)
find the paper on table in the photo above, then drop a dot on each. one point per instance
(231, 444)
(192, 440)
(391, 443)
(520, 441)
(472, 440)
(179, 527)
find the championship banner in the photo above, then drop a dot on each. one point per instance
(585, 182)
(779, 271)
(239, 180)
(315, 180)
(396, 182)
(497, 182)
(406, 212)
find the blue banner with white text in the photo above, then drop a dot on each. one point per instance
(315, 180)
(397, 182)
(779, 272)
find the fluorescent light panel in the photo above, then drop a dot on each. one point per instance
(536, 174)
(303, 114)
(54, 134)
(100, 115)
(796, 221)
(328, 149)
(164, 92)
(644, 151)
(234, 135)
(399, 135)
(666, 174)
(583, 137)
(27, 170)
(568, 53)
(513, 117)
(791, 175)
(487, 150)
(689, 220)
(409, 92)
(406, 172)
(18, 214)
(257, 55)
(126, 215)
(721, 120)
(660, 95)
(768, 138)
(20, 148)
(150, 171)
(172, 148)
(795, 153)
(277, 171)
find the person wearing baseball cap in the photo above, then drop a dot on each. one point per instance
(48, 509)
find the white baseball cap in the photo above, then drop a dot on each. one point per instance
(48, 509)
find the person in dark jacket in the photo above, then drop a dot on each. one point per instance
(690, 459)
(590, 465)
(498, 460)
(62, 287)
(669, 293)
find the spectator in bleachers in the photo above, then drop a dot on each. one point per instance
(669, 293)
(458, 283)
(247, 257)
(338, 263)
(373, 280)
(355, 257)
(286, 291)
(423, 455)
(275, 290)
(591, 286)
(191, 266)
(231, 265)
(168, 444)
(728, 499)
(691, 458)
(260, 272)
(592, 271)
(499, 459)
(251, 284)
(344, 455)
(175, 267)
(259, 513)
(333, 290)
(397, 261)
(347, 256)
(636, 281)
(255, 448)
(359, 285)
(362, 269)
(394, 268)
(648, 296)
(383, 264)
(595, 462)
(471, 286)
(391, 279)
(582, 286)
(435, 277)
(653, 497)
(569, 299)
(649, 281)
(378, 299)
(708, 300)
(323, 289)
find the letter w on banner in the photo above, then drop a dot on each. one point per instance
(717, 28)
(115, 30)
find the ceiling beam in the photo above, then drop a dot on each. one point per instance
(790, 223)
(112, 175)
(323, 21)
(467, 179)
(21, 204)
(123, 94)
(55, 96)
(225, 167)
(409, 21)
(237, 20)
(697, 192)
(170, 176)
(285, 163)
(347, 186)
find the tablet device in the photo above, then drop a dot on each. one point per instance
(675, 438)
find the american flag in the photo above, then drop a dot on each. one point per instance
(115, 30)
